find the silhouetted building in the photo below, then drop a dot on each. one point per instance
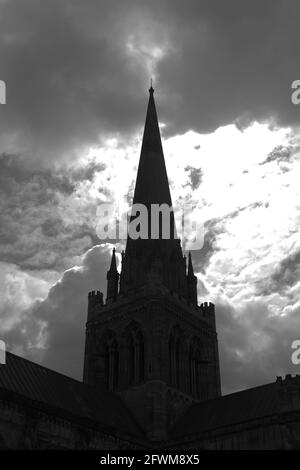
(151, 368)
(151, 343)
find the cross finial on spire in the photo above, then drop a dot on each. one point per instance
(151, 89)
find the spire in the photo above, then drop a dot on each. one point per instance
(113, 263)
(152, 186)
(155, 258)
(151, 89)
(190, 266)
(191, 282)
(112, 279)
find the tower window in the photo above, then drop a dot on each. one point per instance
(111, 363)
(136, 356)
(141, 358)
(131, 360)
(175, 358)
(171, 359)
(106, 365)
(192, 370)
(115, 366)
(197, 370)
(177, 362)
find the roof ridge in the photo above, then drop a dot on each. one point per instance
(239, 392)
(249, 389)
(69, 393)
(85, 385)
(36, 364)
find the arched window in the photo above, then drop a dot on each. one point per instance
(136, 355)
(115, 365)
(205, 372)
(140, 356)
(111, 361)
(197, 369)
(177, 361)
(175, 357)
(171, 358)
(131, 351)
(198, 373)
(192, 370)
(106, 365)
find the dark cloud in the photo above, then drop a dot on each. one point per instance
(45, 220)
(14, 170)
(69, 80)
(279, 154)
(195, 176)
(288, 272)
(254, 346)
(232, 61)
(285, 275)
(213, 228)
(88, 172)
(61, 317)
(75, 71)
(201, 258)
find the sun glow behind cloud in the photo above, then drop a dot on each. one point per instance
(233, 176)
(146, 44)
(235, 186)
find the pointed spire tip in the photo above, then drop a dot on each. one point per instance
(113, 263)
(151, 89)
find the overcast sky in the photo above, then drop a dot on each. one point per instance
(77, 75)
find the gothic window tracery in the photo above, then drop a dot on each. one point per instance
(136, 355)
(198, 369)
(111, 361)
(175, 356)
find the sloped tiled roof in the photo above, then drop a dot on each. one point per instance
(49, 389)
(240, 407)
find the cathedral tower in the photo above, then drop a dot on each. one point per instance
(151, 342)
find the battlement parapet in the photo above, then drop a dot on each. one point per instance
(95, 299)
(289, 379)
(207, 307)
(93, 293)
(289, 392)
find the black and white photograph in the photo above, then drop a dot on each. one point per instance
(149, 229)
